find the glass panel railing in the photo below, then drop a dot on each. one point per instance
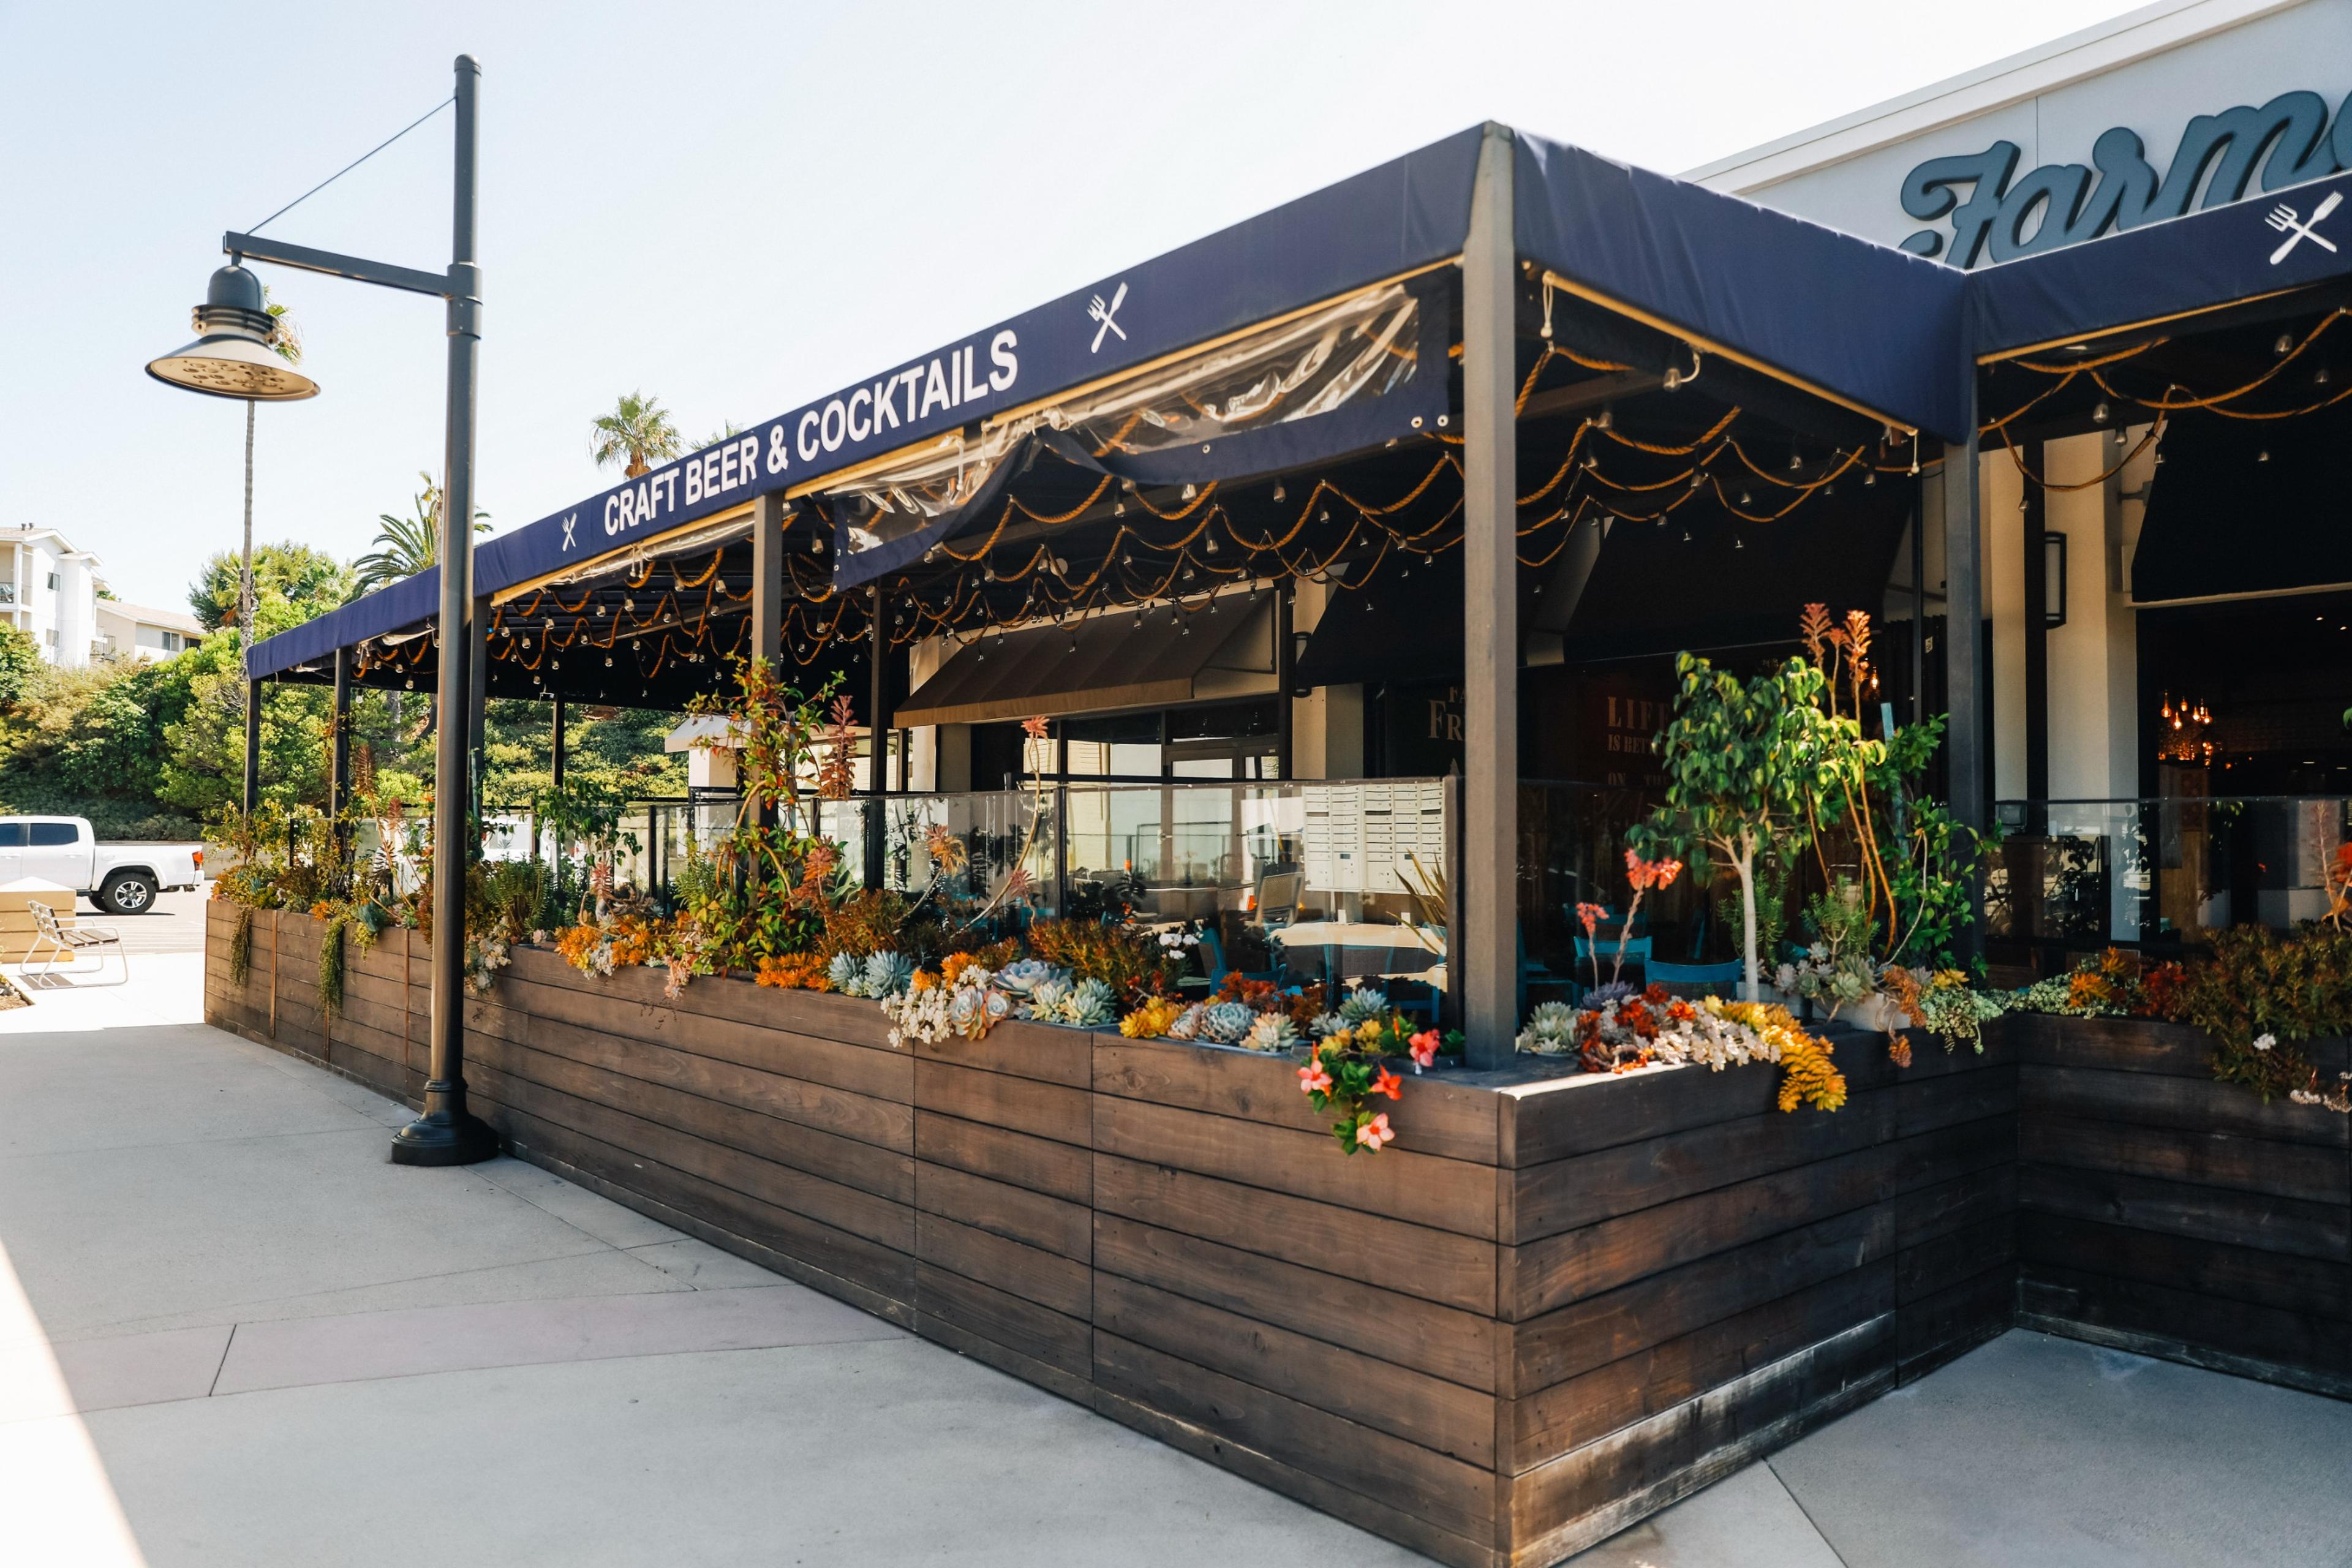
(2075, 875)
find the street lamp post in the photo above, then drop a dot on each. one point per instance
(446, 1134)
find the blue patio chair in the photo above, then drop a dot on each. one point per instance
(1693, 974)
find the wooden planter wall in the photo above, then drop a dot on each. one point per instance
(2164, 1213)
(1556, 1305)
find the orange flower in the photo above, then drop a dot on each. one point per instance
(1589, 916)
(1388, 1083)
(1313, 1079)
(1371, 1134)
(1423, 1047)
(1034, 727)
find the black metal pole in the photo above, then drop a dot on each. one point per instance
(338, 758)
(768, 517)
(877, 719)
(478, 701)
(252, 744)
(1919, 602)
(446, 1134)
(1284, 721)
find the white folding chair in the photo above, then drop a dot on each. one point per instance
(68, 944)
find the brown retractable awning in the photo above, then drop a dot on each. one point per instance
(1106, 665)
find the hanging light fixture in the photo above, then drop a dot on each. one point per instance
(231, 356)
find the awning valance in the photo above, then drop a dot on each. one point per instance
(2284, 240)
(1106, 665)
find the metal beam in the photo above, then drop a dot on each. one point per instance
(1481, 954)
(383, 274)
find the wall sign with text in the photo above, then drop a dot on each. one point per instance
(2289, 139)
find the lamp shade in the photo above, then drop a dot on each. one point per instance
(232, 357)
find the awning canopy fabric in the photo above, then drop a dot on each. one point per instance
(2287, 239)
(1106, 665)
(403, 607)
(1876, 328)
(2246, 507)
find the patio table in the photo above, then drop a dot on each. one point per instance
(1403, 952)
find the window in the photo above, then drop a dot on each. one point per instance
(49, 835)
(53, 582)
(50, 636)
(174, 642)
(12, 835)
(7, 592)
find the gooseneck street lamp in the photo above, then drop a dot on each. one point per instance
(226, 363)
(232, 357)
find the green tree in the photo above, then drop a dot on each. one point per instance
(288, 574)
(727, 431)
(19, 659)
(639, 430)
(1740, 760)
(406, 546)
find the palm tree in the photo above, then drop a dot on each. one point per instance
(726, 433)
(639, 429)
(407, 545)
(285, 341)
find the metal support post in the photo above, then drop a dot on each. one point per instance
(1964, 659)
(1285, 713)
(446, 1134)
(768, 515)
(339, 757)
(877, 724)
(1482, 953)
(477, 701)
(252, 744)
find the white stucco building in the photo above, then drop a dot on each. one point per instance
(48, 591)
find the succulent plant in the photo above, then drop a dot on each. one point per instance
(886, 974)
(1089, 1004)
(1272, 1033)
(846, 976)
(1186, 1026)
(1327, 1025)
(1550, 1031)
(1045, 999)
(1227, 1022)
(1362, 1004)
(1023, 977)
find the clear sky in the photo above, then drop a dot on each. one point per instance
(735, 207)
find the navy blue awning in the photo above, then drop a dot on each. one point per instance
(399, 606)
(1868, 325)
(2283, 240)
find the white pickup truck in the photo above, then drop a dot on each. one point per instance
(121, 879)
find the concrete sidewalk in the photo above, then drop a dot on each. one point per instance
(231, 1333)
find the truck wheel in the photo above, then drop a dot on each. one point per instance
(128, 893)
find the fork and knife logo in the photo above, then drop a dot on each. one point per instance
(2284, 219)
(1107, 315)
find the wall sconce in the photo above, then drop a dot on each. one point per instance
(2053, 579)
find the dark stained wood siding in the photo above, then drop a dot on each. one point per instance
(2165, 1213)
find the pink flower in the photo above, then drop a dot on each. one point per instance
(1313, 1079)
(1423, 1047)
(1034, 727)
(1371, 1134)
(1589, 916)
